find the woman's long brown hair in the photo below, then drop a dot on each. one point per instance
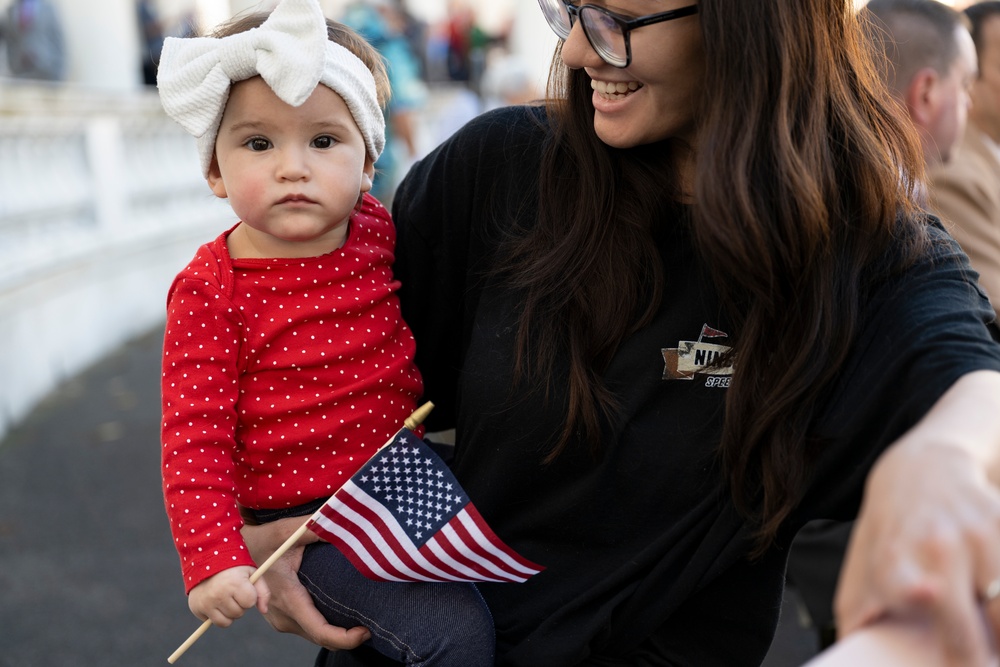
(803, 169)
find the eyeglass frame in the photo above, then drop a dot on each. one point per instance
(626, 25)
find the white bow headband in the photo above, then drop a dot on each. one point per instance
(290, 51)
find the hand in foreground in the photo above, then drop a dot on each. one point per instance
(290, 608)
(926, 546)
(226, 595)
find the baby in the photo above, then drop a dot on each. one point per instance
(286, 362)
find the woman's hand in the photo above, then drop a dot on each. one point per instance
(290, 608)
(926, 545)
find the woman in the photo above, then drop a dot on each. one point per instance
(681, 310)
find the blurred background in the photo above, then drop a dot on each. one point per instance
(101, 203)
(101, 199)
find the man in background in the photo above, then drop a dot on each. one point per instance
(928, 62)
(966, 192)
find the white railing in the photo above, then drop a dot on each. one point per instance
(101, 203)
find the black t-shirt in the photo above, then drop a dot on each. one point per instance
(645, 555)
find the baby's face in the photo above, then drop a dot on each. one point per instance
(293, 175)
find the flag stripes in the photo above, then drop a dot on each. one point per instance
(372, 540)
(404, 517)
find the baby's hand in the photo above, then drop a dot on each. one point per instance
(224, 597)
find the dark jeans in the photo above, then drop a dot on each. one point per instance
(433, 624)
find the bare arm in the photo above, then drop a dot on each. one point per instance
(927, 540)
(887, 642)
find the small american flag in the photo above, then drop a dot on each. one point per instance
(404, 517)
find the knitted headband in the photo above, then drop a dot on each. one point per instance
(290, 51)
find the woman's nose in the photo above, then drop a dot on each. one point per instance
(577, 52)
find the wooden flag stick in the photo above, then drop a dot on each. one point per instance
(257, 574)
(417, 418)
(411, 422)
(189, 641)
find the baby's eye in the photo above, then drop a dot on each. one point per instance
(325, 141)
(258, 144)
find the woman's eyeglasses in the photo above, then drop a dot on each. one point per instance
(607, 32)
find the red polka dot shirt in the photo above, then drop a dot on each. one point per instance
(280, 378)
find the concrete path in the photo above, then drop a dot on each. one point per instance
(88, 575)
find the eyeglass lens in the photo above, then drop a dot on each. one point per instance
(557, 16)
(602, 31)
(605, 35)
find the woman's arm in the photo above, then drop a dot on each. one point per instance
(927, 541)
(289, 607)
(885, 643)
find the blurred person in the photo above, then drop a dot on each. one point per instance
(460, 29)
(269, 400)
(927, 59)
(35, 42)
(468, 43)
(151, 34)
(966, 192)
(415, 32)
(382, 24)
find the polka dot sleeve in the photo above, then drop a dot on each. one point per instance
(199, 394)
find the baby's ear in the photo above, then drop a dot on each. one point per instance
(214, 179)
(368, 175)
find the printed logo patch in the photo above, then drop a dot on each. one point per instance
(698, 358)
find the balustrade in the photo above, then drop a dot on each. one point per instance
(101, 203)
